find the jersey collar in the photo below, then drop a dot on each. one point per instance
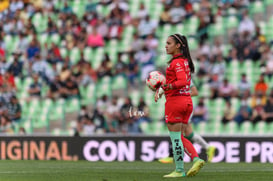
(177, 55)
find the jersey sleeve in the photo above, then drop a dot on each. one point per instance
(180, 75)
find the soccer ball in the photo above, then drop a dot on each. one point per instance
(155, 79)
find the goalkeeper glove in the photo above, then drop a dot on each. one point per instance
(158, 94)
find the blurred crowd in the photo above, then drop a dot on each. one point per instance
(56, 75)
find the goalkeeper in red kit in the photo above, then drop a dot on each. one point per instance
(178, 106)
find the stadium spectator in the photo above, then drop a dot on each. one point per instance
(70, 89)
(23, 43)
(16, 68)
(244, 112)
(6, 125)
(203, 65)
(54, 88)
(136, 44)
(120, 67)
(229, 113)
(258, 98)
(35, 88)
(218, 67)
(8, 80)
(226, 90)
(243, 86)
(90, 71)
(217, 47)
(214, 84)
(246, 25)
(200, 113)
(165, 15)
(145, 58)
(125, 119)
(269, 68)
(115, 31)
(177, 12)
(103, 28)
(65, 72)
(66, 9)
(127, 18)
(4, 65)
(33, 49)
(14, 110)
(102, 105)
(84, 123)
(95, 39)
(88, 127)
(99, 121)
(42, 68)
(54, 54)
(261, 85)
(146, 27)
(257, 113)
(232, 55)
(143, 115)
(113, 114)
(105, 68)
(151, 43)
(6, 93)
(120, 4)
(133, 70)
(142, 12)
(268, 109)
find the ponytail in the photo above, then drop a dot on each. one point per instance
(187, 53)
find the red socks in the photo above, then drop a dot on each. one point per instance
(188, 147)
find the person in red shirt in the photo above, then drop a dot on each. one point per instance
(178, 106)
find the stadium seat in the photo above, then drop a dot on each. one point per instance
(58, 111)
(88, 53)
(64, 52)
(90, 95)
(74, 55)
(231, 128)
(246, 128)
(55, 38)
(104, 87)
(27, 125)
(119, 82)
(97, 58)
(72, 105)
(260, 128)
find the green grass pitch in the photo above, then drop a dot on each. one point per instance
(127, 171)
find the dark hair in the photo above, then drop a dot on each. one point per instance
(182, 40)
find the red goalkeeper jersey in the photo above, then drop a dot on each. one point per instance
(179, 75)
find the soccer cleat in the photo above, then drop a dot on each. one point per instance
(175, 174)
(197, 165)
(211, 153)
(166, 160)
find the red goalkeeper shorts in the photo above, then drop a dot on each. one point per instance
(178, 109)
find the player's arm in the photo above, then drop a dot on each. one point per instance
(194, 91)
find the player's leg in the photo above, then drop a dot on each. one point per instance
(197, 162)
(194, 137)
(178, 149)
